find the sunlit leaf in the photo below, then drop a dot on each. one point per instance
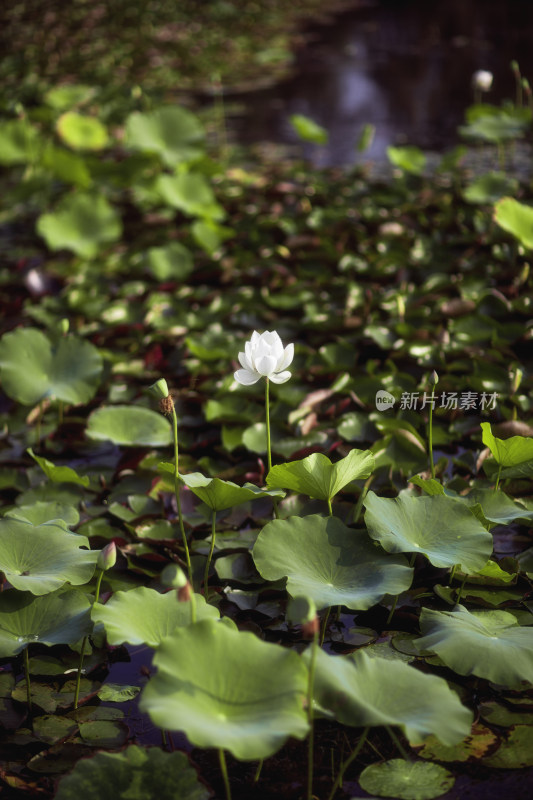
(129, 425)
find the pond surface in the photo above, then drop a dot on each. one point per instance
(405, 66)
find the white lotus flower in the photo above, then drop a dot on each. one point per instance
(264, 357)
(482, 80)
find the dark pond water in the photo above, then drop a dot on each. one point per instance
(404, 66)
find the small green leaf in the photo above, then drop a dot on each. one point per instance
(408, 159)
(82, 222)
(173, 133)
(317, 477)
(58, 474)
(515, 218)
(82, 132)
(308, 130)
(170, 262)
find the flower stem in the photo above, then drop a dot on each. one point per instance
(267, 411)
(310, 741)
(210, 556)
(84, 641)
(224, 770)
(498, 478)
(330, 509)
(344, 766)
(258, 771)
(177, 493)
(27, 677)
(430, 442)
(324, 626)
(404, 754)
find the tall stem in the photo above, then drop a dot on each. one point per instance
(324, 626)
(404, 754)
(353, 755)
(430, 442)
(27, 677)
(177, 493)
(224, 770)
(84, 641)
(267, 412)
(210, 556)
(330, 509)
(498, 478)
(310, 741)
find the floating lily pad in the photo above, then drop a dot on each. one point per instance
(363, 691)
(144, 616)
(82, 222)
(57, 618)
(445, 531)
(227, 689)
(474, 746)
(515, 752)
(41, 558)
(329, 562)
(136, 773)
(129, 425)
(406, 780)
(317, 477)
(69, 371)
(489, 644)
(171, 132)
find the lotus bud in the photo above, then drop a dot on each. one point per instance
(175, 577)
(160, 389)
(433, 378)
(64, 326)
(516, 380)
(302, 609)
(107, 557)
(515, 68)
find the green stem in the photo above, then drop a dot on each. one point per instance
(460, 589)
(258, 771)
(84, 641)
(27, 677)
(177, 493)
(224, 770)
(498, 478)
(393, 609)
(269, 447)
(210, 556)
(310, 741)
(324, 626)
(353, 755)
(361, 499)
(330, 509)
(452, 574)
(430, 438)
(404, 754)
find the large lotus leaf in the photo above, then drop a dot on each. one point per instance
(490, 644)
(61, 617)
(495, 506)
(41, 558)
(515, 218)
(42, 511)
(58, 474)
(81, 132)
(445, 531)
(317, 477)
(190, 193)
(31, 367)
(145, 616)
(129, 425)
(360, 691)
(508, 452)
(227, 689)
(82, 222)
(136, 773)
(329, 562)
(219, 494)
(171, 132)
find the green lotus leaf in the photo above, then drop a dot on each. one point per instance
(145, 616)
(508, 452)
(129, 425)
(41, 558)
(32, 368)
(317, 477)
(227, 689)
(488, 188)
(515, 752)
(489, 644)
(136, 773)
(41, 511)
(82, 132)
(406, 780)
(61, 617)
(497, 125)
(329, 562)
(69, 95)
(219, 494)
(58, 474)
(171, 132)
(408, 159)
(308, 130)
(170, 262)
(517, 219)
(19, 142)
(445, 531)
(189, 192)
(371, 691)
(83, 222)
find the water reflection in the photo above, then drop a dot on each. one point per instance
(403, 65)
